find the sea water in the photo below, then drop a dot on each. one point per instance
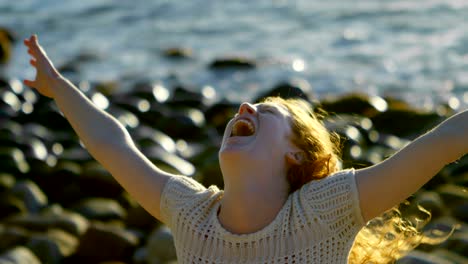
(413, 49)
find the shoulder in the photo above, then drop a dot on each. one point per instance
(181, 193)
(340, 181)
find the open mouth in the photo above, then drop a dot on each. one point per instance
(242, 128)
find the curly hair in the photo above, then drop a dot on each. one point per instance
(385, 238)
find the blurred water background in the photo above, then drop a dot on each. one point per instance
(413, 49)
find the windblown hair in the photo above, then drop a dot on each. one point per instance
(385, 238)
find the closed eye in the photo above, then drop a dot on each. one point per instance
(267, 110)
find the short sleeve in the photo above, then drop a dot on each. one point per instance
(335, 201)
(180, 192)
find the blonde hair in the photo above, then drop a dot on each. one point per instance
(385, 238)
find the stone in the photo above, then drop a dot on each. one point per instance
(13, 161)
(11, 236)
(178, 53)
(96, 181)
(11, 205)
(238, 63)
(419, 257)
(102, 209)
(53, 246)
(31, 194)
(168, 162)
(6, 46)
(291, 89)
(160, 245)
(405, 123)
(450, 256)
(430, 201)
(19, 255)
(138, 217)
(115, 244)
(51, 217)
(458, 243)
(6, 182)
(354, 104)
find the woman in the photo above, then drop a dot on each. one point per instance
(273, 209)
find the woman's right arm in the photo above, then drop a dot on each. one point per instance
(104, 137)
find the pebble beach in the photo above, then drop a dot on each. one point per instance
(58, 205)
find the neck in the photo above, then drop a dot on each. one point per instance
(252, 197)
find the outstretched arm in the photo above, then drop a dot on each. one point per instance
(104, 137)
(388, 183)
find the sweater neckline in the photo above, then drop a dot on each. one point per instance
(266, 231)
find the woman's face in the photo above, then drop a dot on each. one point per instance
(260, 132)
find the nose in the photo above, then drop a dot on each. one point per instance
(246, 107)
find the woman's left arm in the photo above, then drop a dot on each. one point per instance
(388, 183)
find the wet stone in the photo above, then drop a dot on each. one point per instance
(55, 217)
(178, 53)
(355, 103)
(431, 201)
(33, 197)
(12, 236)
(96, 181)
(11, 205)
(100, 209)
(160, 245)
(291, 89)
(237, 63)
(115, 244)
(405, 123)
(6, 182)
(19, 255)
(138, 217)
(418, 257)
(53, 246)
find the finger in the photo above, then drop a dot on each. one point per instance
(33, 62)
(29, 83)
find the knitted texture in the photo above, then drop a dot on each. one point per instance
(317, 224)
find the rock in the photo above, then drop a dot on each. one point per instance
(219, 114)
(185, 97)
(292, 89)
(184, 123)
(460, 211)
(178, 53)
(5, 46)
(19, 255)
(147, 136)
(11, 205)
(404, 123)
(160, 245)
(355, 103)
(13, 161)
(458, 243)
(115, 244)
(6, 182)
(454, 258)
(238, 63)
(52, 217)
(138, 217)
(100, 209)
(430, 201)
(31, 194)
(418, 257)
(12, 236)
(96, 181)
(168, 162)
(452, 194)
(53, 246)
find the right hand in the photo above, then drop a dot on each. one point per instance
(46, 73)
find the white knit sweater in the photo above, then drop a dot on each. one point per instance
(317, 224)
